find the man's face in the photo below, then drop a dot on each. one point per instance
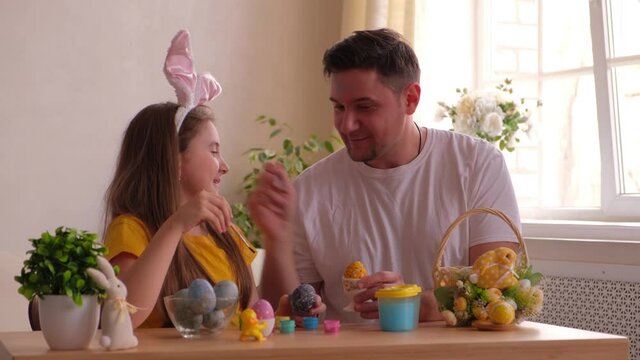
(367, 114)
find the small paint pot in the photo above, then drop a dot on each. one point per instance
(279, 318)
(310, 322)
(331, 326)
(287, 326)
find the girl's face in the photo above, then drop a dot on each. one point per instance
(201, 164)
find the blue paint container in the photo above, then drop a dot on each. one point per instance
(399, 307)
(310, 322)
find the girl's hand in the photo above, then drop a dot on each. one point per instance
(206, 206)
(284, 309)
(270, 205)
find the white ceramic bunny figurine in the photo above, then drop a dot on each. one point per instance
(117, 331)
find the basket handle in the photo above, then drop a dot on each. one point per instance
(475, 211)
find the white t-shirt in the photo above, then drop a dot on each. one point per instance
(394, 219)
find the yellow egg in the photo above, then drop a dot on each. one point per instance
(460, 304)
(480, 313)
(355, 270)
(501, 313)
(537, 295)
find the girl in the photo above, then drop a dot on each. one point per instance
(167, 223)
(161, 201)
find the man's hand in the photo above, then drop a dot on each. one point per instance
(365, 302)
(271, 203)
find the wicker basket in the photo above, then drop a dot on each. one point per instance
(450, 276)
(447, 276)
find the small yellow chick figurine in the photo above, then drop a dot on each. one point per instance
(494, 269)
(251, 327)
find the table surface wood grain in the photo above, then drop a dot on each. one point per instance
(354, 341)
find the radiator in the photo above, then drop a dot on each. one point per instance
(605, 306)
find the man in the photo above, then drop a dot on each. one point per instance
(388, 197)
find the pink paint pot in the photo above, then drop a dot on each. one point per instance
(331, 326)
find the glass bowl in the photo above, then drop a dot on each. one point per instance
(191, 323)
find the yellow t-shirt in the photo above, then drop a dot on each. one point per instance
(128, 234)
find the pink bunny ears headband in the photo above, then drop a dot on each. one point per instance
(192, 89)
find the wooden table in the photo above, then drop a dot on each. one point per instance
(362, 341)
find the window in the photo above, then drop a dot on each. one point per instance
(581, 58)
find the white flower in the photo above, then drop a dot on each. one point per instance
(481, 114)
(492, 124)
(465, 106)
(473, 278)
(465, 124)
(449, 318)
(484, 106)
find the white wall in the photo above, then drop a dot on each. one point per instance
(73, 74)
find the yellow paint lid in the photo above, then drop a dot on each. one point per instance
(399, 291)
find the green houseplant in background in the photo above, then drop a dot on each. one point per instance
(56, 265)
(55, 273)
(294, 157)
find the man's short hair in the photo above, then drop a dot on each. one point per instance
(382, 50)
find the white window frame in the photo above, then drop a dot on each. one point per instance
(615, 206)
(614, 202)
(604, 235)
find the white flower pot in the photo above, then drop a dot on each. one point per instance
(67, 326)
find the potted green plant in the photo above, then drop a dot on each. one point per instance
(294, 157)
(54, 275)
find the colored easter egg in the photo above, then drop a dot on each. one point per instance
(263, 309)
(302, 299)
(203, 296)
(226, 294)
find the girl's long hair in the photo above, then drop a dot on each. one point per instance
(146, 185)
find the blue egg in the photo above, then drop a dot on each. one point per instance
(302, 299)
(202, 295)
(226, 294)
(186, 318)
(214, 319)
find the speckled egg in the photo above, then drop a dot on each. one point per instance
(203, 296)
(226, 294)
(263, 309)
(302, 299)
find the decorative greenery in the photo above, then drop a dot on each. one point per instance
(294, 157)
(57, 265)
(493, 116)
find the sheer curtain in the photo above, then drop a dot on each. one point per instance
(398, 15)
(445, 40)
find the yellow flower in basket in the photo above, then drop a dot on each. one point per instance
(499, 290)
